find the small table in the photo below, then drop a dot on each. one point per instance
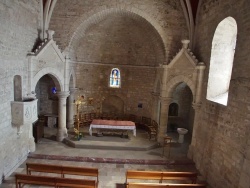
(112, 124)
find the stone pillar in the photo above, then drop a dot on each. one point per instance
(62, 130)
(155, 111)
(200, 74)
(71, 108)
(165, 101)
(196, 108)
(32, 144)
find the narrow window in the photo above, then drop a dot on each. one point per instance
(221, 61)
(115, 79)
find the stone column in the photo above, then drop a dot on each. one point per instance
(155, 111)
(200, 74)
(71, 108)
(196, 108)
(62, 130)
(165, 101)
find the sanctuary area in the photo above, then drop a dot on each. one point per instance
(125, 93)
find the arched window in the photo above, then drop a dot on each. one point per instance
(115, 78)
(221, 61)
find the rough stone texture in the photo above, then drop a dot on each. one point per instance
(164, 16)
(18, 33)
(119, 40)
(221, 148)
(223, 131)
(93, 81)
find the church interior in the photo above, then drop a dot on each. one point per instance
(123, 85)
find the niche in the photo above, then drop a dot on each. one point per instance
(173, 109)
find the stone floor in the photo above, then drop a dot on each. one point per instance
(112, 163)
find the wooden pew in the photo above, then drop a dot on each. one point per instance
(189, 176)
(159, 175)
(143, 175)
(22, 179)
(156, 185)
(63, 170)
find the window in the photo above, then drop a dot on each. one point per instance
(115, 79)
(221, 61)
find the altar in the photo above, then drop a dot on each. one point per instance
(113, 125)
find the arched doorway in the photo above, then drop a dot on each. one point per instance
(181, 113)
(46, 90)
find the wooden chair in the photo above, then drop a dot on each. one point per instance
(166, 144)
(153, 130)
(87, 119)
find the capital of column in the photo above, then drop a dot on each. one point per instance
(201, 66)
(62, 94)
(196, 106)
(73, 90)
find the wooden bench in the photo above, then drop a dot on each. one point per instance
(22, 179)
(188, 176)
(63, 170)
(143, 175)
(160, 176)
(155, 185)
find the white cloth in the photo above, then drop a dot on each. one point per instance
(93, 126)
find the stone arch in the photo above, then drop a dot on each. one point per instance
(55, 75)
(113, 104)
(83, 23)
(175, 81)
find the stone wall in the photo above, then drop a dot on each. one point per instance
(18, 33)
(136, 86)
(221, 147)
(162, 21)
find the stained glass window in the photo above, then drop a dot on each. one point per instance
(115, 78)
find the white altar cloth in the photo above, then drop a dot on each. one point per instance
(112, 124)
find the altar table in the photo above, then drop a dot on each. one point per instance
(112, 124)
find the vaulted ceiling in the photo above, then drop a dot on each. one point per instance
(161, 24)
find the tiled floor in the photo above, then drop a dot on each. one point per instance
(112, 163)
